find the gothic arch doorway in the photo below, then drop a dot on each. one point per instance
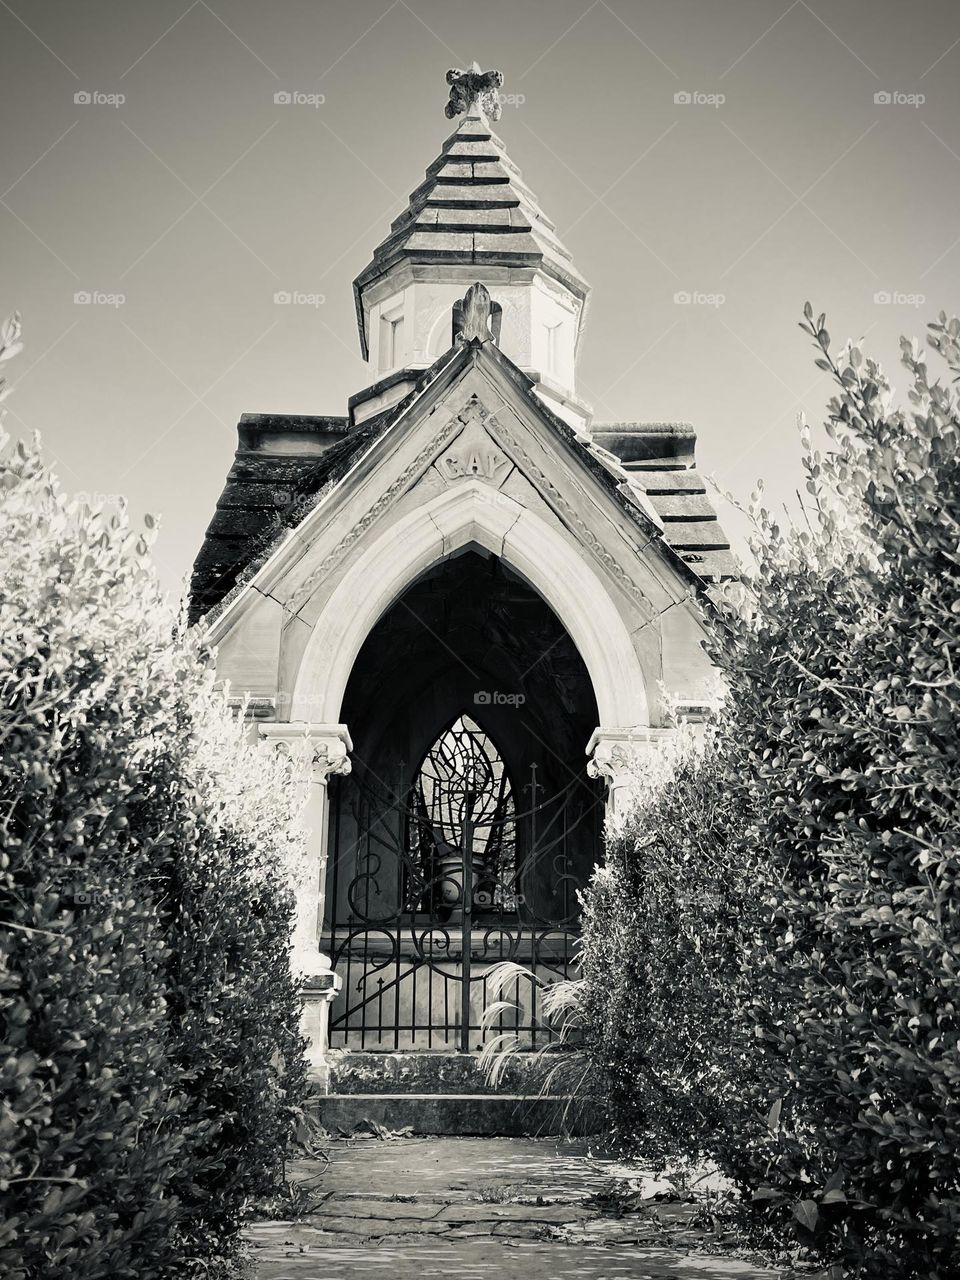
(469, 822)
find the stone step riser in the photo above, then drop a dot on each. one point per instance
(425, 1073)
(454, 1115)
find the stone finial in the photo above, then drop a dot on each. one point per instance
(474, 89)
(475, 315)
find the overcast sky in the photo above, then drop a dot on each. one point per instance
(197, 198)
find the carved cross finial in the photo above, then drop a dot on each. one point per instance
(474, 89)
(475, 315)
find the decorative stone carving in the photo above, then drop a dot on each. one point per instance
(324, 747)
(617, 756)
(471, 411)
(473, 455)
(569, 514)
(476, 316)
(473, 464)
(473, 89)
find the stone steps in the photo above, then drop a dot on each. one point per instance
(451, 1114)
(444, 1094)
(428, 1072)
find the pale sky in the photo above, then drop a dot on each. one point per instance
(197, 198)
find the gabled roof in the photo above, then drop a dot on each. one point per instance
(474, 209)
(268, 493)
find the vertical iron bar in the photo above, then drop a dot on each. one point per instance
(366, 936)
(401, 848)
(466, 851)
(445, 979)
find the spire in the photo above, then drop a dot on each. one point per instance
(472, 219)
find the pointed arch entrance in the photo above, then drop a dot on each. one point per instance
(468, 823)
(470, 515)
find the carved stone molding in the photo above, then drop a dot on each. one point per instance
(504, 436)
(472, 411)
(617, 755)
(325, 747)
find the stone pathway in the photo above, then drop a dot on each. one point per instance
(481, 1209)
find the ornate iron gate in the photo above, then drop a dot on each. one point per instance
(432, 886)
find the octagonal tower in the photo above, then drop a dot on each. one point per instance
(472, 219)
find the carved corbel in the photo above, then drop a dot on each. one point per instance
(324, 747)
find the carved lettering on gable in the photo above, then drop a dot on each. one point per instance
(461, 464)
(474, 455)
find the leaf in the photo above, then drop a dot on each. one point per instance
(773, 1117)
(807, 1214)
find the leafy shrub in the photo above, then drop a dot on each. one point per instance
(148, 1017)
(660, 931)
(837, 755)
(231, 995)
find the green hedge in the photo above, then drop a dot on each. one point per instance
(151, 1062)
(661, 928)
(831, 1018)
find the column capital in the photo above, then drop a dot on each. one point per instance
(618, 749)
(618, 754)
(325, 747)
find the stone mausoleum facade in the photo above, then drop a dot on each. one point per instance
(468, 603)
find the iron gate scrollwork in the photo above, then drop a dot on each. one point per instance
(431, 885)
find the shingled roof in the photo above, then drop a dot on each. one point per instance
(473, 208)
(263, 492)
(647, 466)
(659, 458)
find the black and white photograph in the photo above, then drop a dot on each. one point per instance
(480, 640)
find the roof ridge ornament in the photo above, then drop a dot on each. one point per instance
(474, 91)
(475, 315)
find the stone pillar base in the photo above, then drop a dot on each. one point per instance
(319, 991)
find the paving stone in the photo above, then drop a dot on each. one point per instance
(502, 1260)
(361, 1207)
(516, 1212)
(416, 1209)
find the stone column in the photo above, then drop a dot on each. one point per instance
(325, 748)
(616, 755)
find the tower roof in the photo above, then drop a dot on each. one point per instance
(472, 209)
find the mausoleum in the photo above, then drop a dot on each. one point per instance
(468, 602)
